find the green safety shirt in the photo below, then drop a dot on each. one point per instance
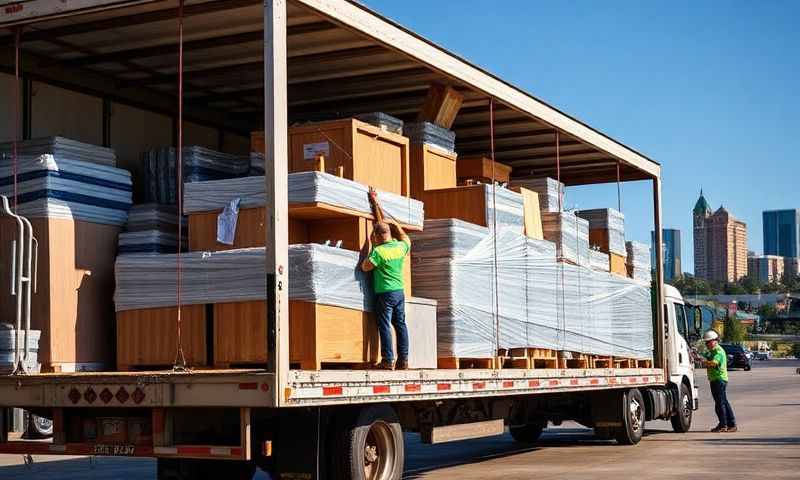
(388, 260)
(720, 372)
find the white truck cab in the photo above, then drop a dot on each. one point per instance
(681, 327)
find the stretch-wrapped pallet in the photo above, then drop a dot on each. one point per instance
(548, 189)
(62, 149)
(610, 220)
(570, 233)
(639, 261)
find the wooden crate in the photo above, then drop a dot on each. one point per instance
(532, 213)
(617, 264)
(431, 169)
(240, 333)
(368, 154)
(147, 338)
(441, 105)
(467, 203)
(73, 304)
(323, 334)
(479, 169)
(251, 231)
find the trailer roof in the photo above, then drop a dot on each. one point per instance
(343, 59)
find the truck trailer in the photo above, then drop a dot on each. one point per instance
(310, 59)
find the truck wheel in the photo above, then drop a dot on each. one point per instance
(682, 420)
(370, 446)
(191, 469)
(37, 427)
(633, 415)
(529, 432)
(747, 367)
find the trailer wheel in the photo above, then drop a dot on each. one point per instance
(529, 432)
(37, 427)
(682, 420)
(370, 445)
(633, 415)
(191, 469)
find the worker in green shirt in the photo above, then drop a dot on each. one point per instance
(717, 369)
(385, 260)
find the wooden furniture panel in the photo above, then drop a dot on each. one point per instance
(617, 264)
(532, 213)
(251, 231)
(74, 301)
(480, 169)
(147, 338)
(441, 105)
(352, 231)
(431, 169)
(257, 144)
(367, 154)
(598, 237)
(240, 333)
(323, 334)
(467, 203)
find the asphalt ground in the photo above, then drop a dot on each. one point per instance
(766, 401)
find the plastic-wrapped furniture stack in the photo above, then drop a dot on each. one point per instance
(384, 121)
(199, 164)
(478, 204)
(639, 261)
(537, 301)
(431, 134)
(570, 233)
(62, 148)
(606, 229)
(548, 190)
(76, 208)
(8, 343)
(151, 228)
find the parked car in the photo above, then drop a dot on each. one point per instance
(737, 356)
(765, 355)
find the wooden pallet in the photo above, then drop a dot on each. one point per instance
(457, 363)
(624, 363)
(602, 361)
(577, 360)
(644, 363)
(529, 358)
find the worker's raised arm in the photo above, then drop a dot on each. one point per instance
(398, 232)
(377, 211)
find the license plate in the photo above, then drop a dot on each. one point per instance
(114, 450)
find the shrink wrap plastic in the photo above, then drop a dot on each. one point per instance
(537, 301)
(55, 187)
(317, 273)
(570, 233)
(8, 343)
(639, 261)
(611, 220)
(304, 187)
(548, 191)
(62, 149)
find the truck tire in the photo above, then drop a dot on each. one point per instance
(191, 469)
(682, 420)
(633, 415)
(37, 427)
(529, 432)
(369, 446)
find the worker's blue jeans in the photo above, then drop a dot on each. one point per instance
(390, 310)
(721, 405)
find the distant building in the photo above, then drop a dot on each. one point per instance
(720, 243)
(766, 268)
(791, 266)
(671, 243)
(782, 232)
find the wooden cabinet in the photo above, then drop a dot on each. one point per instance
(147, 338)
(367, 154)
(431, 169)
(479, 169)
(240, 334)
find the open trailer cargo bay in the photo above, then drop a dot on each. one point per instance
(338, 59)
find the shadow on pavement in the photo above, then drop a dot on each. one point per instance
(755, 441)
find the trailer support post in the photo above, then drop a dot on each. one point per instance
(660, 321)
(277, 203)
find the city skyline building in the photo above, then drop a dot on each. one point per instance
(781, 230)
(671, 243)
(720, 243)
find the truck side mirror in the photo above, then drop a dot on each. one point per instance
(698, 320)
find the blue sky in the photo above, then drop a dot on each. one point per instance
(708, 89)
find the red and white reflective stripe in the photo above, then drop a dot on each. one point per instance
(199, 451)
(440, 388)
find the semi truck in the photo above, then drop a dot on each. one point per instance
(310, 58)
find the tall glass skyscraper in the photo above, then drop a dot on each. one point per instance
(672, 252)
(781, 232)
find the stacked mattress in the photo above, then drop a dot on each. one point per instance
(610, 220)
(304, 187)
(548, 190)
(639, 261)
(151, 228)
(570, 233)
(199, 164)
(431, 134)
(57, 187)
(8, 342)
(317, 273)
(536, 301)
(599, 261)
(62, 148)
(384, 121)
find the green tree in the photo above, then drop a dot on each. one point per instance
(734, 331)
(773, 287)
(767, 311)
(733, 288)
(750, 284)
(796, 350)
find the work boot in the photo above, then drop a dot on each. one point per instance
(719, 429)
(402, 364)
(731, 429)
(385, 365)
